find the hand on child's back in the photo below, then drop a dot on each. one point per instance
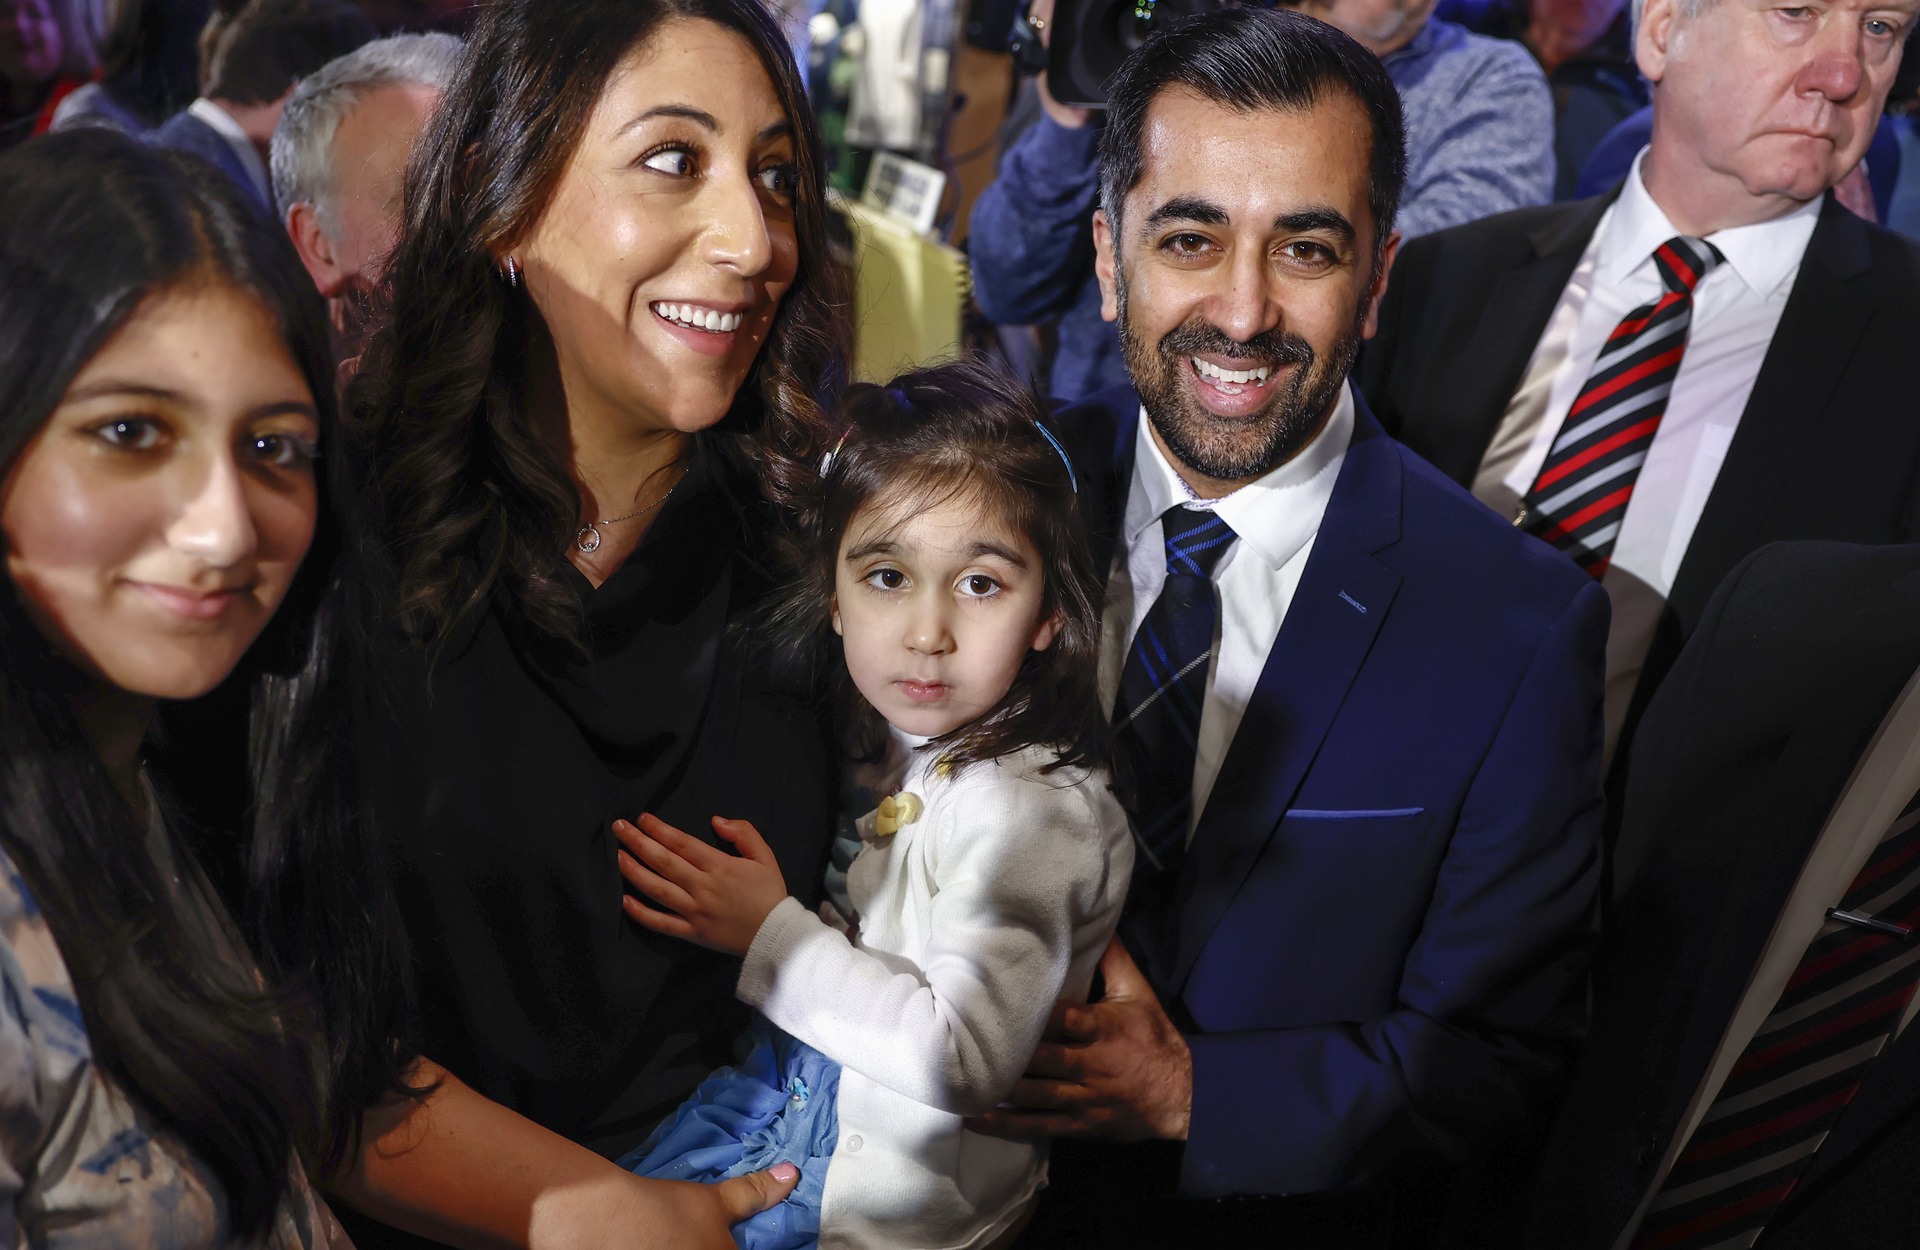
(717, 900)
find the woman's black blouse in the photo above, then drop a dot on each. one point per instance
(495, 785)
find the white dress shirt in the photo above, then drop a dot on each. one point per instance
(1736, 308)
(229, 130)
(1276, 517)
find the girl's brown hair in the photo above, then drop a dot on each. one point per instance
(958, 432)
(472, 503)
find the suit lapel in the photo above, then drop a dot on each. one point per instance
(1344, 594)
(1823, 320)
(1482, 377)
(1769, 846)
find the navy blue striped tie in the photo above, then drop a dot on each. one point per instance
(1156, 716)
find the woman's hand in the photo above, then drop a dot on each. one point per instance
(464, 1170)
(718, 900)
(681, 1213)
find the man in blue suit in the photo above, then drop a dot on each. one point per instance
(1357, 715)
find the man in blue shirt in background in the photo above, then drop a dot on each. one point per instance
(1480, 136)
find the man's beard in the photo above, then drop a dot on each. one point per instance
(1235, 449)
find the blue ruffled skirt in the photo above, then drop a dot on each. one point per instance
(778, 1105)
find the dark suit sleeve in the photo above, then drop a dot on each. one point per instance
(1675, 719)
(1491, 997)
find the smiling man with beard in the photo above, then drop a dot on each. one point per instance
(1357, 716)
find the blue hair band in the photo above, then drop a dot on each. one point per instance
(1072, 479)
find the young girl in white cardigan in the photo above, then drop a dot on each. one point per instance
(948, 554)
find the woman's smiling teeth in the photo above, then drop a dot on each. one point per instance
(1214, 373)
(699, 318)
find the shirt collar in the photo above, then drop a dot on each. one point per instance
(1416, 47)
(1274, 515)
(222, 124)
(1764, 254)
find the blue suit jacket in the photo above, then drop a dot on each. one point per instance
(1378, 941)
(184, 132)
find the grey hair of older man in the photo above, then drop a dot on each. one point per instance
(301, 158)
(1687, 8)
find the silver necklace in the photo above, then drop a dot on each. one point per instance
(588, 539)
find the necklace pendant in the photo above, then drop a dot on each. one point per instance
(588, 539)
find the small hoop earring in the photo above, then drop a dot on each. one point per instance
(513, 272)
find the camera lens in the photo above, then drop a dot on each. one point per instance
(1135, 22)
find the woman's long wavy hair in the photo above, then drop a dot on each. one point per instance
(474, 506)
(955, 433)
(92, 224)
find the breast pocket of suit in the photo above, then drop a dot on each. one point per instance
(1320, 929)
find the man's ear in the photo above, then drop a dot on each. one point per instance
(1103, 264)
(316, 250)
(1379, 288)
(1047, 631)
(833, 607)
(1651, 36)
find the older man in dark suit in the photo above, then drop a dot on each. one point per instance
(1716, 356)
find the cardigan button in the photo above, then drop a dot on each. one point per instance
(855, 1142)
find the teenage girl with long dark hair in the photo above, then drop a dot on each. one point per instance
(197, 1009)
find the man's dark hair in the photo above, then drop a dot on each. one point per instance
(270, 45)
(1247, 59)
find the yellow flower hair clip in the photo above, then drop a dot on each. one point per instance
(895, 811)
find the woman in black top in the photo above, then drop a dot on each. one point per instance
(612, 307)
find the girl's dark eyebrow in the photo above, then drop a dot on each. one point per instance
(993, 549)
(143, 390)
(887, 547)
(286, 408)
(878, 547)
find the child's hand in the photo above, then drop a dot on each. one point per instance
(721, 900)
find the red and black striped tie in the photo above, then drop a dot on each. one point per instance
(1580, 498)
(1795, 1078)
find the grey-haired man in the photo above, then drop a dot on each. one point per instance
(339, 160)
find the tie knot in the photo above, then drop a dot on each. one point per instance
(1196, 539)
(1683, 261)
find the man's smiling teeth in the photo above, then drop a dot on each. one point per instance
(699, 318)
(1217, 374)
